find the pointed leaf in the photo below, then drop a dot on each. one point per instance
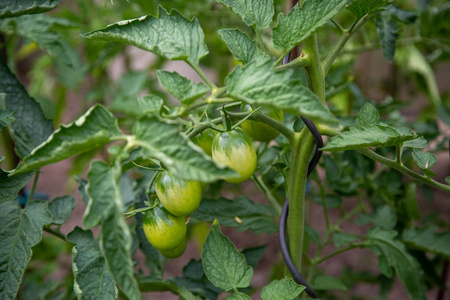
(9, 9)
(224, 266)
(323, 282)
(61, 208)
(341, 239)
(179, 155)
(11, 185)
(169, 35)
(238, 296)
(92, 278)
(30, 128)
(387, 28)
(240, 212)
(180, 87)
(20, 230)
(96, 128)
(254, 255)
(424, 160)
(6, 118)
(360, 8)
(302, 22)
(428, 239)
(368, 115)
(151, 104)
(240, 45)
(259, 84)
(253, 13)
(418, 143)
(283, 289)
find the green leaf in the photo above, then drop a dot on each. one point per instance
(128, 88)
(92, 278)
(224, 266)
(387, 28)
(176, 152)
(96, 128)
(341, 239)
(151, 104)
(238, 296)
(393, 253)
(367, 116)
(447, 179)
(283, 289)
(9, 9)
(240, 212)
(424, 160)
(180, 87)
(361, 8)
(385, 217)
(254, 255)
(259, 84)
(418, 143)
(61, 208)
(428, 239)
(253, 13)
(148, 284)
(11, 185)
(30, 127)
(323, 282)
(115, 242)
(6, 118)
(240, 45)
(169, 35)
(302, 22)
(20, 230)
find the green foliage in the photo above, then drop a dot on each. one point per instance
(61, 208)
(6, 118)
(22, 7)
(361, 8)
(240, 45)
(258, 14)
(284, 289)
(11, 185)
(387, 29)
(323, 282)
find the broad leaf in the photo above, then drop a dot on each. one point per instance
(238, 296)
(224, 266)
(240, 45)
(300, 23)
(259, 84)
(323, 282)
(6, 118)
(367, 116)
(180, 87)
(151, 104)
(240, 212)
(424, 160)
(9, 9)
(61, 208)
(30, 127)
(392, 253)
(254, 255)
(283, 289)
(176, 152)
(92, 278)
(96, 128)
(418, 143)
(360, 8)
(169, 35)
(428, 239)
(11, 185)
(20, 230)
(253, 13)
(387, 28)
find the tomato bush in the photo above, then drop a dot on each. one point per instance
(133, 133)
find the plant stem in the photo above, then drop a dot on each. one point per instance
(202, 75)
(299, 62)
(260, 41)
(324, 204)
(210, 101)
(56, 233)
(33, 188)
(270, 197)
(339, 251)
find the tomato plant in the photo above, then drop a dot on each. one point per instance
(320, 128)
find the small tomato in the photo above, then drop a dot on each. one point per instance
(259, 131)
(175, 252)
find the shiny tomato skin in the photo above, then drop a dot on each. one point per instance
(162, 229)
(180, 197)
(260, 131)
(234, 149)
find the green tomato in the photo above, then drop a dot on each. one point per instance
(260, 131)
(204, 140)
(162, 229)
(234, 149)
(175, 252)
(180, 197)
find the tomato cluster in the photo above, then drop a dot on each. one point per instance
(165, 225)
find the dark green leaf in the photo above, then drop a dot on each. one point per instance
(341, 239)
(20, 230)
(82, 189)
(148, 284)
(428, 239)
(240, 45)
(240, 212)
(418, 143)
(129, 86)
(424, 160)
(9, 9)
(96, 128)
(404, 16)
(387, 28)
(169, 35)
(61, 208)
(360, 8)
(180, 87)
(283, 289)
(384, 217)
(302, 22)
(367, 116)
(129, 191)
(39, 291)
(151, 104)
(253, 13)
(179, 155)
(93, 280)
(6, 118)
(30, 128)
(323, 282)
(447, 179)
(224, 266)
(254, 255)
(259, 84)
(11, 185)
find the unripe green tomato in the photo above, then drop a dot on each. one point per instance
(260, 131)
(204, 140)
(162, 229)
(180, 197)
(175, 252)
(234, 149)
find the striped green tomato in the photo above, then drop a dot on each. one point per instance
(234, 149)
(180, 197)
(259, 131)
(162, 229)
(175, 252)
